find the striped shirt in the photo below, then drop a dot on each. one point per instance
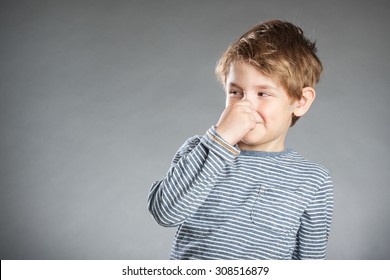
(236, 204)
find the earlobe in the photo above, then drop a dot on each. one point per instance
(303, 105)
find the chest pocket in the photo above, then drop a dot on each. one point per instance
(277, 210)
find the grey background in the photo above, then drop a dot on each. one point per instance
(96, 97)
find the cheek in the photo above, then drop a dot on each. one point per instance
(227, 102)
(266, 112)
(274, 114)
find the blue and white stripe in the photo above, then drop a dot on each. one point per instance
(232, 204)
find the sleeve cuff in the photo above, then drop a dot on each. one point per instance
(215, 142)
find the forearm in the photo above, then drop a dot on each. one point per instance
(190, 179)
(315, 224)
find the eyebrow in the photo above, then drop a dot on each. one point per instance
(233, 85)
(260, 87)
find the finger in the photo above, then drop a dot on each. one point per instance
(257, 117)
(245, 102)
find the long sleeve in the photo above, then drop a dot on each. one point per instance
(315, 224)
(188, 182)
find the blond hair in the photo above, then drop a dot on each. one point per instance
(280, 51)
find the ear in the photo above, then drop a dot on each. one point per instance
(303, 105)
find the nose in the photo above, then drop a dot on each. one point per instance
(250, 97)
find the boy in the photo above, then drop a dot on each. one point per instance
(237, 192)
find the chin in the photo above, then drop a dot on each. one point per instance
(250, 140)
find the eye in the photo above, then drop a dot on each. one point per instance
(263, 94)
(235, 93)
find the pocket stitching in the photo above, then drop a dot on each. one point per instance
(261, 210)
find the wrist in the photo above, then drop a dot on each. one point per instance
(221, 142)
(226, 136)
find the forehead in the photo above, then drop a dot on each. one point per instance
(244, 73)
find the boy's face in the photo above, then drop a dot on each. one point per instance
(269, 100)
